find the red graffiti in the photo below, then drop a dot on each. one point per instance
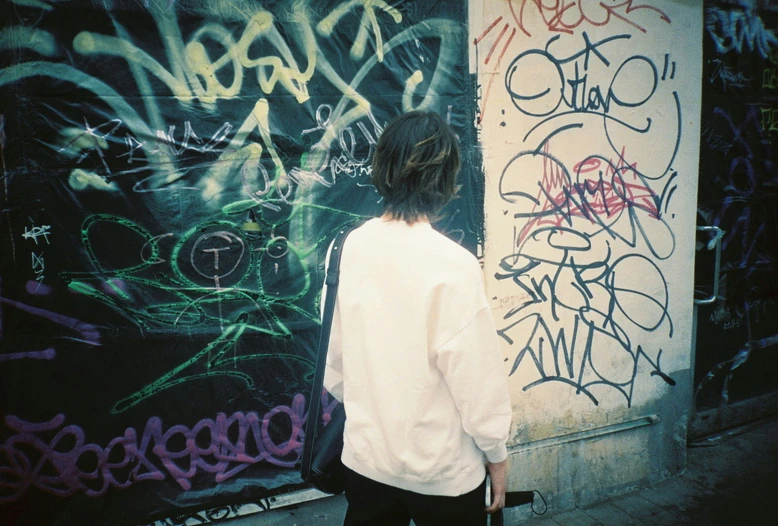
(556, 16)
(601, 192)
(505, 45)
(564, 16)
(59, 460)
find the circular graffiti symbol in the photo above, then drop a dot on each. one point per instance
(213, 254)
(217, 255)
(535, 83)
(640, 291)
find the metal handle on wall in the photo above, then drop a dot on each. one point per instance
(715, 242)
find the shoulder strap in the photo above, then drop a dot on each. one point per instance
(332, 277)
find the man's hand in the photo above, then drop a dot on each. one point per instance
(497, 474)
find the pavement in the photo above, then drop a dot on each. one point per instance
(731, 479)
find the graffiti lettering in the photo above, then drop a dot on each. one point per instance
(565, 17)
(223, 447)
(739, 31)
(194, 76)
(769, 119)
(603, 193)
(585, 223)
(36, 232)
(561, 16)
(737, 181)
(728, 76)
(557, 16)
(325, 27)
(770, 78)
(198, 159)
(574, 93)
(588, 295)
(38, 266)
(89, 138)
(211, 265)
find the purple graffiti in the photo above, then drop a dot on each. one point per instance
(47, 354)
(88, 332)
(36, 288)
(742, 211)
(67, 464)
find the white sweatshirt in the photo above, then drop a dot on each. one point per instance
(415, 359)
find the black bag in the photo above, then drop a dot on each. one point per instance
(327, 473)
(321, 465)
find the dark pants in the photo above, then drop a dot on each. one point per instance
(372, 503)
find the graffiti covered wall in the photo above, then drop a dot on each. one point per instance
(589, 120)
(172, 174)
(738, 194)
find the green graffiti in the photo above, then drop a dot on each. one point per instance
(232, 237)
(247, 265)
(202, 298)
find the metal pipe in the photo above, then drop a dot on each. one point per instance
(586, 434)
(715, 242)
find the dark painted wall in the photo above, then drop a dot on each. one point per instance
(172, 175)
(738, 192)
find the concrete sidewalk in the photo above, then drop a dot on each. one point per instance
(731, 479)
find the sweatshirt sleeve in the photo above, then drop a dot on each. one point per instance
(471, 363)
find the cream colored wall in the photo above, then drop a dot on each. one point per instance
(590, 205)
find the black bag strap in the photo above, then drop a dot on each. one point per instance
(332, 277)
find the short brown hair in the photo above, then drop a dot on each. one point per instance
(415, 166)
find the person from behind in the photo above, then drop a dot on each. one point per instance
(414, 355)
